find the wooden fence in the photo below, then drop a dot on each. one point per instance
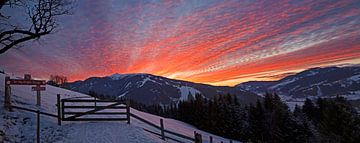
(124, 109)
(92, 108)
(163, 130)
(73, 112)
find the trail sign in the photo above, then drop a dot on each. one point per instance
(26, 81)
(38, 88)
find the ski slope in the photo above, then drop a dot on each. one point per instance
(19, 126)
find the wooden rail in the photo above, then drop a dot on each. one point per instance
(34, 111)
(90, 100)
(161, 128)
(180, 135)
(77, 115)
(92, 107)
(99, 113)
(95, 119)
(116, 105)
(38, 113)
(145, 121)
(160, 135)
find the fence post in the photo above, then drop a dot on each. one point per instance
(211, 139)
(59, 109)
(198, 138)
(95, 101)
(162, 129)
(62, 109)
(38, 98)
(38, 127)
(7, 100)
(128, 112)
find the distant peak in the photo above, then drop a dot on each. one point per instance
(118, 76)
(115, 74)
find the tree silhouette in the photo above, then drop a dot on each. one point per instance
(41, 20)
(58, 80)
(269, 120)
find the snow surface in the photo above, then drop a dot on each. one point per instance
(185, 90)
(19, 126)
(318, 91)
(117, 76)
(355, 78)
(312, 73)
(284, 83)
(122, 95)
(355, 95)
(141, 83)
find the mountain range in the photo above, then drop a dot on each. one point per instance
(151, 89)
(312, 83)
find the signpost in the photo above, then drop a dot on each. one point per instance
(26, 81)
(38, 88)
(7, 101)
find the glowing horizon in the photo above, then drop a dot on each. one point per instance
(212, 42)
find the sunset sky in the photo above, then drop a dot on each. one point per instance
(207, 41)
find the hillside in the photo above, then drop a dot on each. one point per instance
(19, 126)
(312, 83)
(150, 89)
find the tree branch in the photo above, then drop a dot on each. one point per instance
(7, 47)
(14, 32)
(43, 20)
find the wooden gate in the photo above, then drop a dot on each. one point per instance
(94, 110)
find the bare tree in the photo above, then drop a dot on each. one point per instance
(57, 80)
(42, 19)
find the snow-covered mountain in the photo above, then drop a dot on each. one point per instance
(151, 89)
(315, 82)
(20, 126)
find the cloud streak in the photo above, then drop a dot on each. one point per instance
(215, 42)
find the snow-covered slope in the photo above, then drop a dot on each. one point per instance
(327, 82)
(150, 89)
(313, 83)
(19, 126)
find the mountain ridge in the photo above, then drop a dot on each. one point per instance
(152, 89)
(312, 83)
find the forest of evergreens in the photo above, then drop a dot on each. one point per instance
(269, 120)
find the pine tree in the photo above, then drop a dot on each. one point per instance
(338, 122)
(269, 120)
(256, 122)
(309, 109)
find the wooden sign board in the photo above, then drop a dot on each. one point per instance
(38, 88)
(25, 82)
